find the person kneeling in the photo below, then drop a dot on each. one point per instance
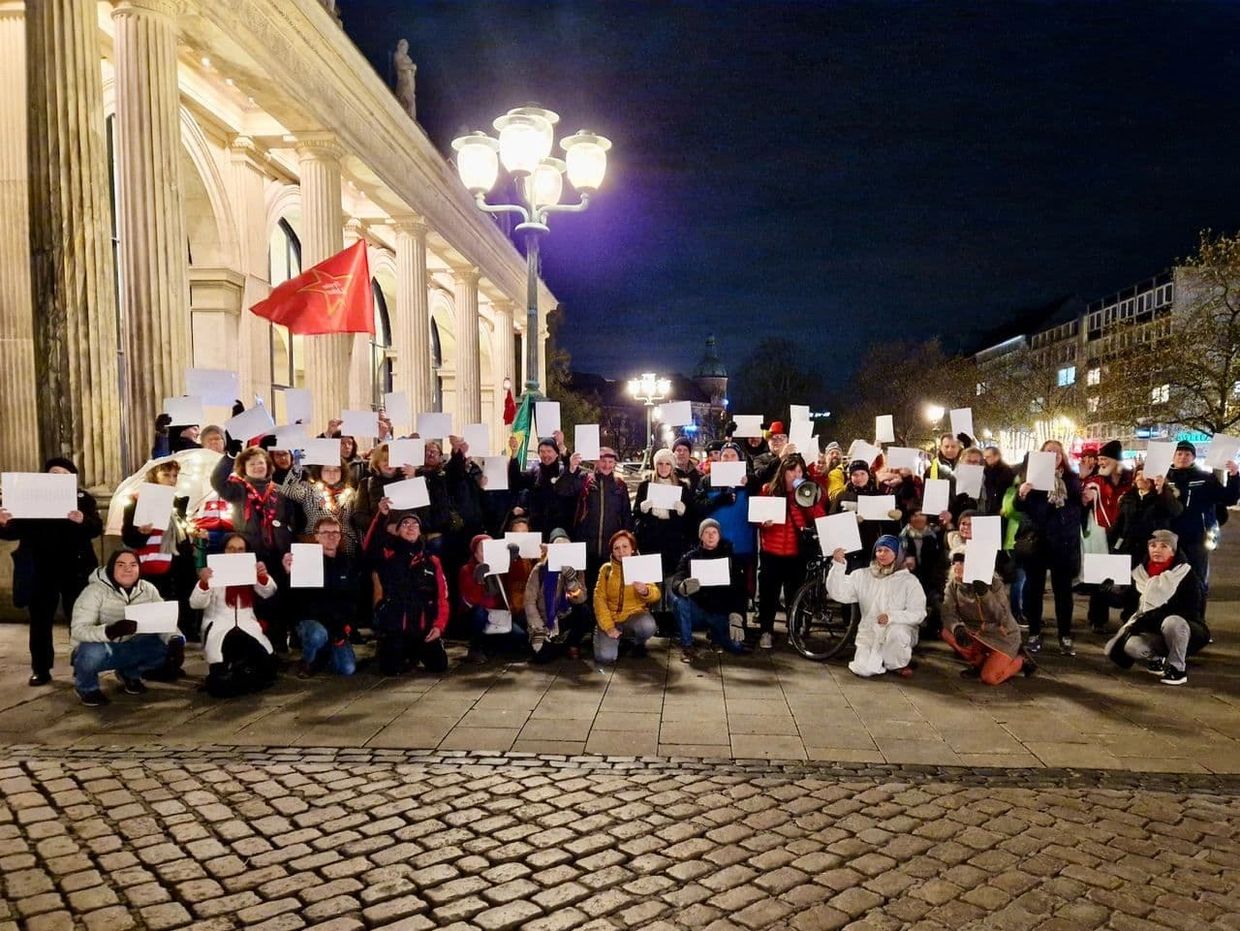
(978, 625)
(622, 610)
(714, 608)
(893, 605)
(411, 596)
(1164, 624)
(238, 653)
(484, 603)
(556, 607)
(100, 636)
(327, 616)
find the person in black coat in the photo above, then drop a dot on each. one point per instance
(550, 487)
(719, 609)
(602, 509)
(52, 563)
(1146, 506)
(1202, 494)
(326, 616)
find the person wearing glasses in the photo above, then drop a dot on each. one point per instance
(326, 616)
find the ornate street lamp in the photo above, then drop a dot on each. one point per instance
(526, 136)
(650, 390)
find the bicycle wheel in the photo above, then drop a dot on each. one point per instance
(819, 628)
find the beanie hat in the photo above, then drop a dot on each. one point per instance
(858, 465)
(559, 533)
(735, 447)
(777, 428)
(413, 517)
(606, 452)
(1184, 446)
(706, 525)
(890, 541)
(683, 441)
(66, 464)
(1112, 450)
(714, 446)
(1165, 536)
(834, 447)
(664, 455)
(548, 441)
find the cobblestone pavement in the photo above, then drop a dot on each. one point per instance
(277, 839)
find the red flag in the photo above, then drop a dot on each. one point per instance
(510, 408)
(331, 297)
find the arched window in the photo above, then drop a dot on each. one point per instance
(380, 344)
(288, 352)
(436, 363)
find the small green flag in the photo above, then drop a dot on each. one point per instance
(521, 426)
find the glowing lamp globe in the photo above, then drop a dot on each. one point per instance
(546, 184)
(477, 161)
(524, 139)
(586, 157)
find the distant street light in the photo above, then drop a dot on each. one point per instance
(934, 413)
(526, 135)
(649, 389)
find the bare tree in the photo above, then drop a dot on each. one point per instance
(1025, 392)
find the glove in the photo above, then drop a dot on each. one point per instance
(645, 506)
(860, 519)
(1107, 586)
(962, 635)
(691, 586)
(480, 572)
(894, 514)
(980, 588)
(514, 550)
(569, 575)
(680, 507)
(728, 497)
(118, 629)
(965, 440)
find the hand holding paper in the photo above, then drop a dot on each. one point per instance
(838, 531)
(307, 569)
(763, 508)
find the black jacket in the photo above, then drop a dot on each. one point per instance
(714, 599)
(603, 509)
(549, 493)
(1185, 602)
(335, 605)
(1201, 493)
(1139, 516)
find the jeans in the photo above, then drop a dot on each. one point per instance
(639, 628)
(314, 639)
(1018, 592)
(43, 600)
(515, 641)
(130, 658)
(691, 616)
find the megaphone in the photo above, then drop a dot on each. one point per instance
(808, 493)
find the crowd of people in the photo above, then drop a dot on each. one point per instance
(405, 580)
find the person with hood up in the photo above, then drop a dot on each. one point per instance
(718, 609)
(602, 509)
(51, 566)
(622, 609)
(978, 625)
(557, 607)
(892, 608)
(1164, 625)
(785, 547)
(101, 638)
(485, 607)
(234, 644)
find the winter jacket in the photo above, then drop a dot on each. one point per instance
(1201, 493)
(1106, 501)
(488, 594)
(787, 539)
(897, 594)
(547, 601)
(871, 530)
(1059, 528)
(730, 506)
(155, 559)
(666, 532)
(988, 617)
(103, 602)
(411, 593)
(318, 500)
(691, 477)
(259, 512)
(219, 618)
(465, 493)
(996, 480)
(337, 603)
(615, 602)
(549, 493)
(930, 561)
(1140, 515)
(602, 509)
(1152, 599)
(713, 599)
(49, 550)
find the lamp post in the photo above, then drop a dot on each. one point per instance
(526, 135)
(650, 390)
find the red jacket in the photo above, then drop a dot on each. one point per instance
(1106, 504)
(784, 539)
(476, 594)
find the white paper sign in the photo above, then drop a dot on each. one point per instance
(398, 409)
(664, 496)
(1102, 566)
(215, 386)
(801, 435)
(1158, 458)
(969, 479)
(295, 436)
(232, 569)
(727, 474)
(497, 557)
(838, 532)
(298, 405)
(158, 617)
(936, 497)
(875, 507)
(585, 441)
(434, 426)
(884, 429)
(676, 413)
(322, 452)
(154, 505)
(798, 412)
(478, 437)
(572, 555)
(406, 452)
(547, 417)
(249, 424)
(307, 571)
(1223, 449)
(866, 452)
(39, 495)
(903, 457)
(647, 568)
(747, 425)
(359, 424)
(408, 494)
(710, 572)
(763, 508)
(979, 562)
(1041, 473)
(184, 410)
(962, 421)
(495, 471)
(530, 543)
(987, 532)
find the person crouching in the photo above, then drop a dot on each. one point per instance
(716, 608)
(620, 609)
(978, 625)
(893, 606)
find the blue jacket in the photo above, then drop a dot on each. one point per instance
(729, 506)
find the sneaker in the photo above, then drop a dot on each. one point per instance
(1066, 647)
(1022, 623)
(1156, 666)
(715, 647)
(688, 654)
(304, 671)
(1034, 644)
(95, 699)
(476, 657)
(766, 641)
(133, 686)
(1174, 676)
(39, 678)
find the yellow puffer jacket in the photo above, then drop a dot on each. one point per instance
(615, 602)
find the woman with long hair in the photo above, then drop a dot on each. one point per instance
(784, 548)
(329, 492)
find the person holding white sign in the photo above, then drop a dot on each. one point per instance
(716, 605)
(892, 608)
(1203, 495)
(381, 472)
(238, 654)
(101, 638)
(325, 491)
(622, 610)
(1052, 525)
(978, 625)
(686, 467)
(861, 484)
(552, 484)
(785, 548)
(603, 509)
(165, 550)
(51, 565)
(557, 606)
(951, 445)
(660, 521)
(1102, 492)
(729, 505)
(485, 607)
(327, 615)
(925, 556)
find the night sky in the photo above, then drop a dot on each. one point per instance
(868, 171)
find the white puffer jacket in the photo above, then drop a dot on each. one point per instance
(101, 603)
(219, 618)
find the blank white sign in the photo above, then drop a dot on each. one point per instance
(676, 413)
(398, 409)
(987, 532)
(232, 569)
(159, 617)
(798, 412)
(547, 417)
(903, 457)
(884, 429)
(710, 572)
(322, 452)
(979, 562)
(727, 474)
(298, 405)
(1158, 458)
(530, 543)
(1223, 449)
(962, 420)
(478, 437)
(838, 532)
(295, 436)
(1102, 566)
(1041, 473)
(154, 506)
(801, 435)
(359, 424)
(184, 410)
(647, 568)
(586, 441)
(39, 495)
(763, 508)
(434, 426)
(748, 425)
(215, 386)
(249, 424)
(570, 555)
(406, 452)
(969, 479)
(307, 569)
(408, 494)
(935, 497)
(495, 471)
(664, 496)
(875, 507)
(496, 556)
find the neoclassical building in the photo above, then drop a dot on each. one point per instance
(176, 159)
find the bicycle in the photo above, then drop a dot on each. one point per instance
(818, 627)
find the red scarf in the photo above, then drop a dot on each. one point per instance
(239, 596)
(264, 505)
(1158, 568)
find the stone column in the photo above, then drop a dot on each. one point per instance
(361, 359)
(322, 236)
(248, 184)
(468, 364)
(411, 335)
(154, 269)
(507, 345)
(73, 285)
(19, 410)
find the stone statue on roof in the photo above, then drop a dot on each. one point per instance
(405, 71)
